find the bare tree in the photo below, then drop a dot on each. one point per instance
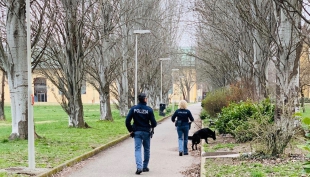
(220, 34)
(67, 49)
(247, 35)
(122, 80)
(102, 64)
(13, 57)
(157, 18)
(257, 15)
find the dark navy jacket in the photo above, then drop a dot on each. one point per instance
(183, 115)
(143, 118)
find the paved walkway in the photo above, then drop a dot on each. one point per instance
(118, 161)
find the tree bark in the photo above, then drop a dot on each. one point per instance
(16, 67)
(2, 115)
(76, 116)
(105, 107)
(287, 77)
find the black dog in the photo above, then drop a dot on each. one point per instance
(204, 133)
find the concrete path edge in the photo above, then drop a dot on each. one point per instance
(87, 155)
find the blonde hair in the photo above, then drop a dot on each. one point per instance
(182, 104)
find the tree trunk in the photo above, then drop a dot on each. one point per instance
(287, 77)
(123, 94)
(74, 58)
(16, 67)
(302, 100)
(188, 95)
(109, 110)
(258, 57)
(76, 116)
(287, 64)
(2, 116)
(123, 86)
(260, 50)
(105, 107)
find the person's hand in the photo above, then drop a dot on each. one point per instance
(132, 134)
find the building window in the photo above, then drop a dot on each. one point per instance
(40, 89)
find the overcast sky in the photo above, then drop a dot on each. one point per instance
(187, 28)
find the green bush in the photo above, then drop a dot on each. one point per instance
(235, 119)
(203, 115)
(233, 116)
(215, 101)
(306, 125)
(168, 109)
(264, 109)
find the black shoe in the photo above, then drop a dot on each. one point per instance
(180, 153)
(146, 170)
(138, 171)
(185, 153)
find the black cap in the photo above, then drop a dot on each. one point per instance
(141, 96)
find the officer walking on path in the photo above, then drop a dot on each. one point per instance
(183, 123)
(117, 161)
(141, 130)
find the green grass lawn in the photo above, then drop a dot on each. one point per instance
(220, 167)
(59, 143)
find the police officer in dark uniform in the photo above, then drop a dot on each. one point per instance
(141, 130)
(184, 117)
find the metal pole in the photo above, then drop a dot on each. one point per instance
(31, 154)
(180, 89)
(173, 100)
(172, 95)
(180, 77)
(136, 71)
(161, 78)
(161, 81)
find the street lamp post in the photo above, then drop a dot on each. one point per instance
(173, 89)
(136, 61)
(161, 78)
(180, 77)
(31, 153)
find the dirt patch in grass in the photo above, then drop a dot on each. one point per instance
(193, 171)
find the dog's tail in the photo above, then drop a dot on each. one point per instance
(190, 137)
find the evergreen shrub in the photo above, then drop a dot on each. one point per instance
(204, 115)
(238, 119)
(168, 109)
(215, 101)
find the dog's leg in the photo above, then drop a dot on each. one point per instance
(206, 140)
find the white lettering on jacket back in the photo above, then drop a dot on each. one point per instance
(141, 111)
